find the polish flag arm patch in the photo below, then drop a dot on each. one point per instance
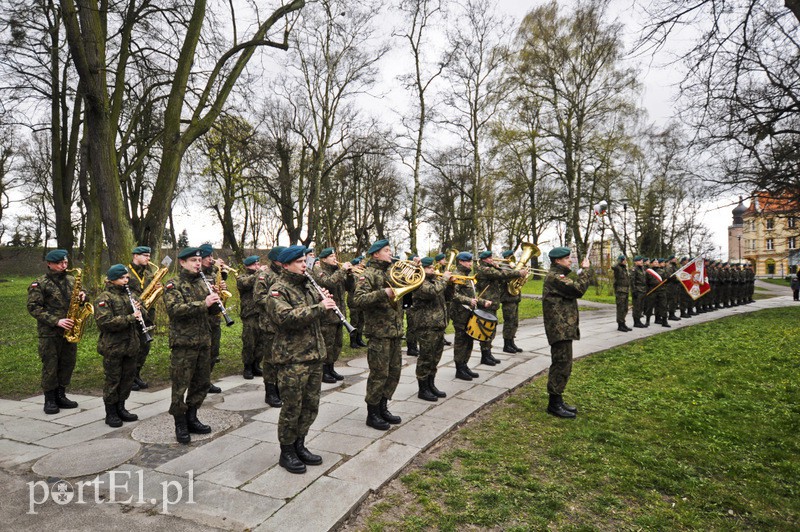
(101, 304)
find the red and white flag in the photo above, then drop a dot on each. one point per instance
(693, 278)
(653, 273)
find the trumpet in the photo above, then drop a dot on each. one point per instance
(356, 268)
(458, 279)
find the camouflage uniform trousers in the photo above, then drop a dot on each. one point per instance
(251, 334)
(268, 366)
(385, 361)
(622, 306)
(356, 318)
(462, 344)
(58, 361)
(638, 305)
(411, 328)
(560, 367)
(661, 304)
(431, 345)
(120, 369)
(333, 335)
(649, 304)
(510, 320)
(141, 356)
(190, 373)
(216, 337)
(300, 386)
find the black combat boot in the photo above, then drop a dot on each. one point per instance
(256, 370)
(621, 327)
(374, 418)
(486, 358)
(271, 397)
(425, 392)
(354, 341)
(471, 373)
(627, 329)
(112, 418)
(556, 407)
(568, 408)
(194, 425)
(62, 400)
(306, 456)
(336, 375)
(386, 415)
(462, 372)
(647, 322)
(290, 461)
(508, 346)
(516, 347)
(432, 386)
(248, 372)
(490, 355)
(664, 323)
(214, 389)
(326, 374)
(673, 317)
(638, 324)
(50, 405)
(181, 430)
(123, 413)
(361, 342)
(411, 349)
(139, 383)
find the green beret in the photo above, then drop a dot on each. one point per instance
(116, 272)
(292, 253)
(559, 252)
(427, 261)
(684, 259)
(377, 246)
(190, 252)
(252, 259)
(412, 256)
(326, 252)
(671, 257)
(439, 257)
(139, 250)
(356, 261)
(57, 255)
(484, 254)
(621, 257)
(464, 255)
(507, 253)
(206, 250)
(274, 252)
(637, 257)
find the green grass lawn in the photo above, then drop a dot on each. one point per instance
(602, 293)
(780, 281)
(693, 429)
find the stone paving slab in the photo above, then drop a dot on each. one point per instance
(87, 459)
(278, 483)
(208, 455)
(334, 442)
(14, 453)
(349, 371)
(355, 427)
(532, 367)
(7, 406)
(270, 415)
(359, 389)
(153, 409)
(77, 435)
(28, 430)
(421, 432)
(507, 380)
(377, 464)
(258, 430)
(87, 416)
(483, 393)
(331, 413)
(243, 466)
(242, 401)
(161, 428)
(342, 399)
(454, 409)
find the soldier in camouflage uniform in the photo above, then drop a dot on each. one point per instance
(298, 350)
(661, 294)
(210, 269)
(560, 294)
(189, 304)
(673, 288)
(492, 282)
(261, 295)
(334, 279)
(355, 316)
(622, 283)
(464, 294)
(140, 277)
(638, 283)
(412, 349)
(383, 326)
(120, 324)
(248, 311)
(685, 301)
(48, 301)
(430, 302)
(510, 305)
(440, 262)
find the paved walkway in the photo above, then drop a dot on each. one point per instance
(231, 480)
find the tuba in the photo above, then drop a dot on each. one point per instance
(405, 276)
(79, 313)
(153, 291)
(528, 250)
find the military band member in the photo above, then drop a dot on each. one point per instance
(661, 293)
(673, 288)
(210, 269)
(638, 290)
(510, 304)
(48, 301)
(248, 311)
(411, 325)
(464, 295)
(440, 262)
(622, 283)
(120, 326)
(261, 295)
(383, 325)
(140, 277)
(298, 349)
(430, 302)
(334, 279)
(560, 294)
(189, 304)
(355, 315)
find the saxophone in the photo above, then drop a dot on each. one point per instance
(78, 312)
(153, 291)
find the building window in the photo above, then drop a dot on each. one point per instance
(770, 223)
(770, 267)
(753, 244)
(792, 222)
(770, 244)
(792, 242)
(752, 225)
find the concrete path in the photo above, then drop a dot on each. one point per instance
(135, 476)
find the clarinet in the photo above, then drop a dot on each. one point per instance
(140, 319)
(228, 320)
(338, 312)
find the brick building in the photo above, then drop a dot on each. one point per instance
(767, 234)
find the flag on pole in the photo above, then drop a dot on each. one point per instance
(652, 272)
(693, 278)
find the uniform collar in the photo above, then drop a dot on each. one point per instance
(186, 274)
(380, 264)
(294, 278)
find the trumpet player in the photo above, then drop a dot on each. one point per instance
(510, 304)
(120, 321)
(333, 278)
(140, 277)
(440, 262)
(210, 269)
(248, 311)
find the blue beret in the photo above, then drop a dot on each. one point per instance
(252, 259)
(190, 252)
(57, 255)
(621, 257)
(116, 272)
(377, 246)
(138, 250)
(291, 254)
(412, 256)
(484, 254)
(426, 261)
(326, 252)
(274, 252)
(356, 261)
(507, 253)
(559, 252)
(439, 257)
(464, 255)
(206, 250)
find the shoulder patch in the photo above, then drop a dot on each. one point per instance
(562, 275)
(361, 278)
(275, 293)
(101, 304)
(170, 286)
(34, 284)
(261, 277)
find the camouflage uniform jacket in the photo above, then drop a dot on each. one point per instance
(139, 279)
(507, 297)
(622, 280)
(211, 277)
(245, 283)
(184, 297)
(114, 316)
(334, 279)
(48, 301)
(560, 294)
(261, 290)
(296, 314)
(496, 280)
(638, 280)
(463, 294)
(430, 303)
(383, 317)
